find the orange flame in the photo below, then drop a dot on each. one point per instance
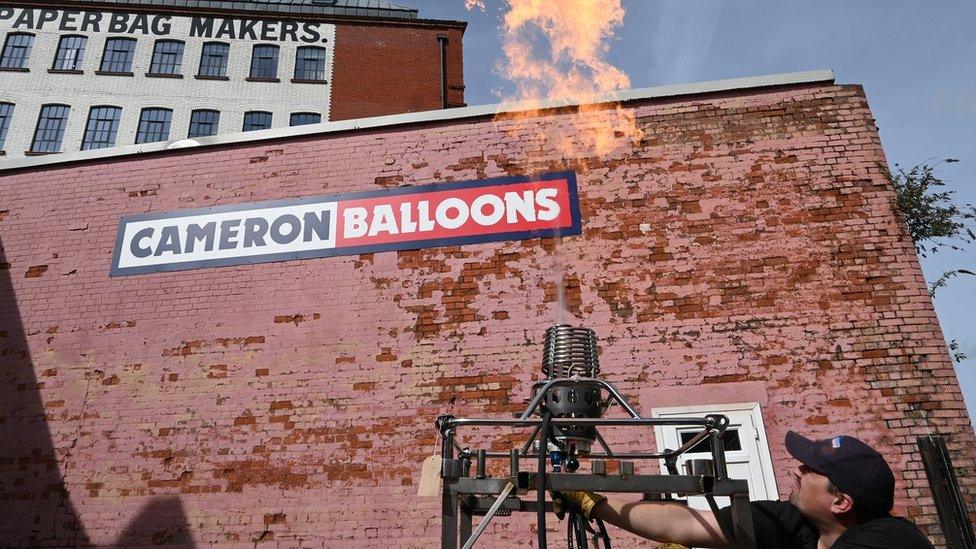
(556, 49)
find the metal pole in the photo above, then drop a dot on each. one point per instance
(718, 455)
(489, 515)
(729, 534)
(742, 526)
(481, 471)
(442, 40)
(466, 507)
(449, 519)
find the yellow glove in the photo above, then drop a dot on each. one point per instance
(584, 502)
(672, 546)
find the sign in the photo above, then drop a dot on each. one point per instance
(444, 214)
(266, 30)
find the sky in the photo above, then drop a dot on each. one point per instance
(915, 60)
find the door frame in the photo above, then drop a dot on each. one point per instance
(752, 408)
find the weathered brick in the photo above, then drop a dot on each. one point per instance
(748, 236)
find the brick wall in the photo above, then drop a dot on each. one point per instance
(746, 238)
(394, 69)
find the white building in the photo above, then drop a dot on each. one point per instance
(95, 74)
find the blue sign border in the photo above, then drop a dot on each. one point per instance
(574, 229)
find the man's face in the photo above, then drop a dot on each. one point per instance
(810, 494)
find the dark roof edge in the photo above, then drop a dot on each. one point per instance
(824, 76)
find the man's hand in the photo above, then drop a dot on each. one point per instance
(582, 502)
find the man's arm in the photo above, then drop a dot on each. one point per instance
(663, 521)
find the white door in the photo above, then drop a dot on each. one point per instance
(746, 447)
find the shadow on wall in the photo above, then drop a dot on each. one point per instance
(35, 507)
(34, 502)
(161, 522)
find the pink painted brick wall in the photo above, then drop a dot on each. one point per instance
(747, 237)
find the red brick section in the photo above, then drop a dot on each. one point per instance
(745, 237)
(391, 69)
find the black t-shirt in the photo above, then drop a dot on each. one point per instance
(778, 524)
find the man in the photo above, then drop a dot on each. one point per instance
(841, 499)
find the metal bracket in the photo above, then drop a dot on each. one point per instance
(464, 496)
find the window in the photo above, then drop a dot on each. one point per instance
(730, 441)
(310, 64)
(154, 125)
(118, 55)
(16, 51)
(264, 62)
(167, 57)
(102, 128)
(257, 120)
(204, 123)
(6, 114)
(303, 118)
(50, 128)
(213, 60)
(71, 53)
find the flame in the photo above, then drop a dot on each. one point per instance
(556, 50)
(471, 4)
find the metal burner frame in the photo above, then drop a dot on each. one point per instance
(464, 496)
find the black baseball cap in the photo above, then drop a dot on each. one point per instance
(855, 468)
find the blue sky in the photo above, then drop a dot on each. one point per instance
(914, 59)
